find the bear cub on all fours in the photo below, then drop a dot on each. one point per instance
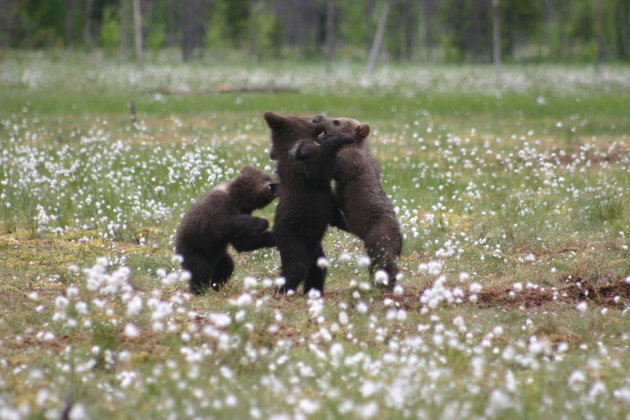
(222, 217)
(305, 168)
(366, 209)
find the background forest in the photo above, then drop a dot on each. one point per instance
(413, 30)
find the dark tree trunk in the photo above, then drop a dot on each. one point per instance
(69, 23)
(171, 25)
(496, 37)
(551, 39)
(126, 18)
(599, 30)
(188, 16)
(430, 8)
(87, 29)
(408, 28)
(137, 30)
(330, 34)
(369, 10)
(193, 26)
(622, 13)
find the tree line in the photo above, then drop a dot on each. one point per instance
(401, 30)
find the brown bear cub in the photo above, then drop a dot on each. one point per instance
(222, 217)
(305, 168)
(366, 209)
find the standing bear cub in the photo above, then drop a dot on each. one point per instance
(305, 167)
(366, 209)
(222, 217)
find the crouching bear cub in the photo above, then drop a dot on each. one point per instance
(305, 168)
(222, 217)
(366, 209)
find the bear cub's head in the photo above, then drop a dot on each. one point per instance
(287, 131)
(348, 126)
(254, 189)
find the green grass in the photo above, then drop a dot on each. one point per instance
(524, 180)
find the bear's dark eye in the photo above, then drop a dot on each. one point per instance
(272, 188)
(336, 122)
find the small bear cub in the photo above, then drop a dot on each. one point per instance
(306, 159)
(358, 194)
(222, 217)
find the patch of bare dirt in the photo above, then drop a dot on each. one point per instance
(597, 158)
(615, 295)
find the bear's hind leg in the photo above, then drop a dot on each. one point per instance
(222, 271)
(382, 259)
(294, 261)
(200, 269)
(316, 275)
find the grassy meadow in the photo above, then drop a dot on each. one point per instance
(512, 193)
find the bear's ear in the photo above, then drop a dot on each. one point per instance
(363, 131)
(248, 170)
(274, 121)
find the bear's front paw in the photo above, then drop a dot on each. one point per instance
(259, 225)
(344, 139)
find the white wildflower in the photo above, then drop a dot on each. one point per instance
(131, 330)
(381, 277)
(134, 306)
(475, 288)
(322, 263)
(364, 261)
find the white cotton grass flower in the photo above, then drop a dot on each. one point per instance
(250, 282)
(78, 412)
(582, 306)
(243, 300)
(171, 278)
(322, 263)
(367, 410)
(345, 257)
(220, 320)
(72, 291)
(126, 378)
(517, 287)
(308, 406)
(498, 401)
(381, 277)
(364, 261)
(432, 268)
(362, 308)
(576, 380)
(463, 277)
(369, 388)
(81, 308)
(131, 330)
(475, 287)
(336, 351)
(623, 394)
(185, 276)
(134, 306)
(61, 302)
(398, 290)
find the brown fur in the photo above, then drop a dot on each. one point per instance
(222, 217)
(358, 193)
(304, 211)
